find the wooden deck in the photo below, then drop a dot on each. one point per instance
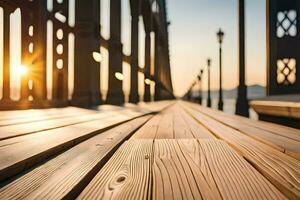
(162, 150)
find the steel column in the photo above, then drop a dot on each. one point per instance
(115, 92)
(242, 107)
(147, 95)
(6, 55)
(87, 42)
(157, 95)
(135, 10)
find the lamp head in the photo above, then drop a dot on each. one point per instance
(208, 61)
(220, 35)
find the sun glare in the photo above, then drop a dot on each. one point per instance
(22, 70)
(119, 76)
(97, 56)
(147, 81)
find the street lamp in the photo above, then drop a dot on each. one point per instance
(220, 36)
(200, 86)
(208, 84)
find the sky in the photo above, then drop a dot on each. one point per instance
(193, 39)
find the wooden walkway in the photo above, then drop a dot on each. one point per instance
(162, 150)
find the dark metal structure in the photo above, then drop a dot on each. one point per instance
(38, 16)
(283, 58)
(283, 50)
(220, 36)
(200, 86)
(242, 106)
(208, 83)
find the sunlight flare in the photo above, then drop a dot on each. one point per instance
(97, 56)
(22, 70)
(119, 76)
(147, 81)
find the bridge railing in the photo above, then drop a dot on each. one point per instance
(52, 57)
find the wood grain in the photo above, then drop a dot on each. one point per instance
(127, 175)
(23, 114)
(181, 126)
(18, 154)
(59, 114)
(236, 179)
(287, 144)
(198, 130)
(156, 106)
(34, 127)
(277, 108)
(176, 176)
(66, 175)
(277, 129)
(149, 130)
(173, 123)
(165, 129)
(279, 168)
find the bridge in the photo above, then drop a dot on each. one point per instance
(64, 135)
(48, 32)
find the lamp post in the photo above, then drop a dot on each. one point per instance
(200, 86)
(220, 36)
(242, 106)
(208, 84)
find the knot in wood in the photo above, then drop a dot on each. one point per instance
(121, 179)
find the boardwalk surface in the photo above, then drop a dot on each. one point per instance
(162, 150)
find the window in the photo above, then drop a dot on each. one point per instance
(287, 23)
(286, 71)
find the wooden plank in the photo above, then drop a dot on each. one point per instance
(279, 168)
(127, 175)
(289, 146)
(156, 106)
(59, 115)
(285, 131)
(176, 176)
(191, 149)
(165, 129)
(148, 131)
(277, 129)
(197, 129)
(181, 127)
(20, 153)
(66, 175)
(277, 108)
(23, 114)
(173, 122)
(236, 179)
(33, 127)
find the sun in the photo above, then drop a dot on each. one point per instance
(22, 70)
